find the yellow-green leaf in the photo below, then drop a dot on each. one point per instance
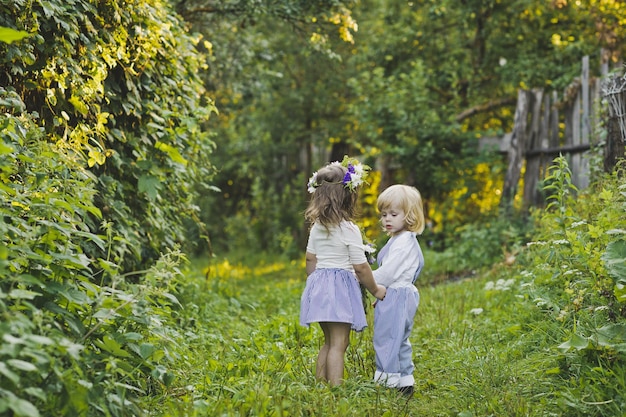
(8, 35)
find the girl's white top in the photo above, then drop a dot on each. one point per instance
(339, 247)
(400, 263)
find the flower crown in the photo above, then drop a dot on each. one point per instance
(355, 176)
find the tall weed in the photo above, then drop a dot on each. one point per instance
(574, 275)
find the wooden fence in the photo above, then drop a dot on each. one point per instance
(547, 125)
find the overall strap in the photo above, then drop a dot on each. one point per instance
(383, 252)
(420, 256)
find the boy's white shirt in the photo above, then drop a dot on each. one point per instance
(400, 262)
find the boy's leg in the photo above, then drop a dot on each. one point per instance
(406, 351)
(388, 331)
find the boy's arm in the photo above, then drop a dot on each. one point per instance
(395, 265)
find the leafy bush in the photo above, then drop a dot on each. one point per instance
(119, 88)
(75, 338)
(575, 276)
(479, 246)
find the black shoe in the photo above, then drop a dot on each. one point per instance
(407, 391)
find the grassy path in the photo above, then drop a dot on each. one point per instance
(544, 337)
(477, 350)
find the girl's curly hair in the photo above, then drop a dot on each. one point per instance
(331, 202)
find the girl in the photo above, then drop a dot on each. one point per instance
(334, 254)
(400, 262)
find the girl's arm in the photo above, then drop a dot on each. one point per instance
(311, 262)
(364, 273)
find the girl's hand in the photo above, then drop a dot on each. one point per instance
(380, 292)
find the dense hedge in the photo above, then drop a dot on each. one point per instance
(102, 149)
(116, 83)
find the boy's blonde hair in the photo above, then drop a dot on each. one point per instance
(409, 200)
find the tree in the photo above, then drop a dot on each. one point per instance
(271, 69)
(119, 88)
(412, 90)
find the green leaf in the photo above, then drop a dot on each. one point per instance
(172, 152)
(8, 35)
(23, 294)
(576, 341)
(93, 237)
(24, 408)
(5, 149)
(172, 298)
(611, 335)
(146, 350)
(149, 185)
(619, 290)
(21, 365)
(39, 393)
(133, 336)
(42, 340)
(112, 346)
(10, 375)
(553, 371)
(614, 258)
(75, 296)
(79, 105)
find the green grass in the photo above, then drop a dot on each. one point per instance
(545, 336)
(246, 354)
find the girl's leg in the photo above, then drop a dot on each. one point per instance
(338, 343)
(322, 357)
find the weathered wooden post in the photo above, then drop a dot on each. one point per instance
(532, 194)
(516, 152)
(615, 94)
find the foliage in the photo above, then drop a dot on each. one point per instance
(313, 16)
(75, 338)
(433, 76)
(495, 344)
(118, 87)
(101, 142)
(10, 35)
(411, 92)
(267, 187)
(480, 245)
(575, 276)
(406, 130)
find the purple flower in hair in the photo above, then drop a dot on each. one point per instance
(356, 172)
(347, 178)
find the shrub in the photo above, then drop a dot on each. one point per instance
(75, 338)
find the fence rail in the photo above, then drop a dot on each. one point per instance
(547, 125)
